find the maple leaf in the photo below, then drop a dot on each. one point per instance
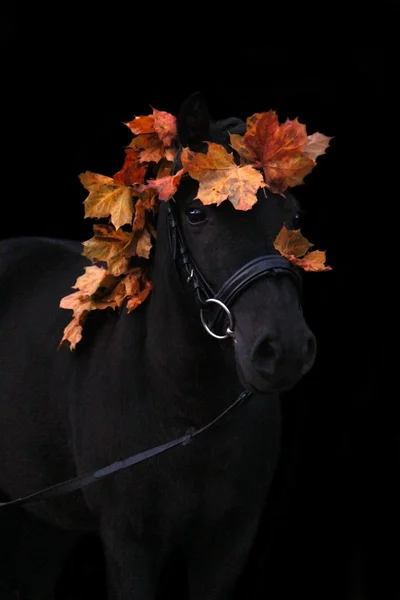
(237, 143)
(165, 186)
(110, 246)
(160, 122)
(149, 146)
(132, 171)
(170, 153)
(141, 124)
(146, 202)
(143, 243)
(82, 301)
(134, 287)
(279, 149)
(221, 179)
(316, 145)
(81, 305)
(107, 198)
(97, 290)
(164, 168)
(165, 126)
(93, 278)
(140, 296)
(313, 261)
(295, 247)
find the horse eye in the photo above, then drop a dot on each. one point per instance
(296, 221)
(195, 215)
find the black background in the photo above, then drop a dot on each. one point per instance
(70, 80)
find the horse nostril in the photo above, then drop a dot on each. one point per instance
(265, 355)
(265, 350)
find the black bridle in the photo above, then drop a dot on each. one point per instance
(269, 265)
(263, 266)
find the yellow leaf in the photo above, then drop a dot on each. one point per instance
(110, 246)
(107, 198)
(221, 179)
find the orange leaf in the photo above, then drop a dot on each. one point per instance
(317, 145)
(291, 241)
(221, 179)
(147, 201)
(170, 153)
(91, 280)
(313, 261)
(237, 143)
(132, 171)
(143, 244)
(83, 301)
(295, 247)
(139, 297)
(160, 122)
(164, 168)
(288, 172)
(149, 146)
(279, 149)
(134, 288)
(141, 125)
(165, 186)
(72, 333)
(111, 246)
(110, 293)
(107, 198)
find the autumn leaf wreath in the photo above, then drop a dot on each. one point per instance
(272, 155)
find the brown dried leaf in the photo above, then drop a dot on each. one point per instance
(143, 244)
(140, 296)
(221, 179)
(291, 241)
(134, 287)
(279, 149)
(107, 198)
(72, 333)
(146, 203)
(295, 247)
(237, 143)
(110, 246)
(91, 280)
(313, 261)
(141, 124)
(317, 145)
(160, 122)
(149, 147)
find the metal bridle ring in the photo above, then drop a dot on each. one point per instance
(229, 329)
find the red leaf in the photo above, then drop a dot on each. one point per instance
(132, 171)
(165, 186)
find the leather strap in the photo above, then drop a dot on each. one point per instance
(77, 483)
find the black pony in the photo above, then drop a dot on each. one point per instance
(140, 379)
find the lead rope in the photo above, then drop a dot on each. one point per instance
(77, 483)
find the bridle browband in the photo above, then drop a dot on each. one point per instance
(223, 300)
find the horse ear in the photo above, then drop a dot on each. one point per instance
(193, 121)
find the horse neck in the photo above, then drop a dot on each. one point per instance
(186, 363)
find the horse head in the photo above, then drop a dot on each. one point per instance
(229, 255)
